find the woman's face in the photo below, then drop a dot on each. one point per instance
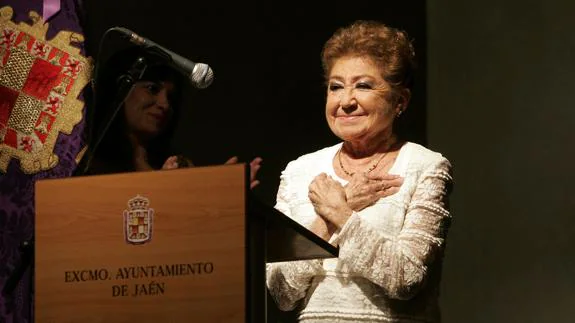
(148, 109)
(360, 104)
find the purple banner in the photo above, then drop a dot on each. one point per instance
(16, 186)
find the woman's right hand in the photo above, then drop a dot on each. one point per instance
(363, 191)
(171, 163)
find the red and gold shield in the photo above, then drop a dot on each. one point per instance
(40, 82)
(138, 221)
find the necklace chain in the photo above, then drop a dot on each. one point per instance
(370, 169)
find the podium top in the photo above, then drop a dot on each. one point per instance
(287, 240)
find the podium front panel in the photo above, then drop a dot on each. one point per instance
(160, 246)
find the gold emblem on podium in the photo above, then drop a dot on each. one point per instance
(138, 220)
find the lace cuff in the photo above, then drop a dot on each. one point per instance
(342, 234)
(288, 282)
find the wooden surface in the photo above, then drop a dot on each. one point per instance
(199, 218)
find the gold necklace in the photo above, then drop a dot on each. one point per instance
(371, 168)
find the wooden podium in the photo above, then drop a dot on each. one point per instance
(186, 245)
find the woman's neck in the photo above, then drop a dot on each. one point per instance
(369, 148)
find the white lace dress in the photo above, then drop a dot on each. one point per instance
(389, 264)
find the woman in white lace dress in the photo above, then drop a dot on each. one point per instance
(381, 200)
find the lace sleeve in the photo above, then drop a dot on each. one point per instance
(400, 264)
(288, 282)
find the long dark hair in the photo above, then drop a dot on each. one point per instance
(114, 154)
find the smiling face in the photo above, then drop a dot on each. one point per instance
(360, 104)
(148, 108)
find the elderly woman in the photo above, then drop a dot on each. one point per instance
(382, 200)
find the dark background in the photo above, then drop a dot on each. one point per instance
(501, 107)
(494, 95)
(268, 96)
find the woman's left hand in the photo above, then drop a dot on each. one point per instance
(254, 168)
(329, 201)
(363, 191)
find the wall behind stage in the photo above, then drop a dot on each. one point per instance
(501, 106)
(268, 96)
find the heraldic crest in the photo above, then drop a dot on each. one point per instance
(40, 81)
(138, 220)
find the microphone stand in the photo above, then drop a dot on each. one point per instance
(26, 260)
(126, 82)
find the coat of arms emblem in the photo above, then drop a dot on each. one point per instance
(138, 220)
(40, 82)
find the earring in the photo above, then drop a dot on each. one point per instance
(399, 113)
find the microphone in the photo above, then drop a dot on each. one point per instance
(200, 74)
